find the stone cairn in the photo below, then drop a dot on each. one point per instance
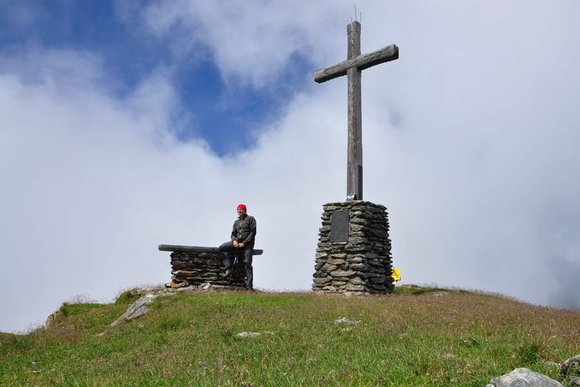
(194, 265)
(354, 249)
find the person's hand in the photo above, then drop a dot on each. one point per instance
(236, 244)
(240, 245)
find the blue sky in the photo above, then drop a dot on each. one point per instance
(128, 124)
(222, 114)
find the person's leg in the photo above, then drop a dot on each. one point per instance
(248, 267)
(226, 250)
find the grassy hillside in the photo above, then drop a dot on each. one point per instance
(416, 337)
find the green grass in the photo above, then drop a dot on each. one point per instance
(427, 337)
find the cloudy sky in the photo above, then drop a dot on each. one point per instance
(128, 124)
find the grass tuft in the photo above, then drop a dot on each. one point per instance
(416, 290)
(528, 354)
(128, 296)
(170, 323)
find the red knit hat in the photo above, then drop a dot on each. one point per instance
(242, 206)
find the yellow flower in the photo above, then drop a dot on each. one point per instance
(396, 274)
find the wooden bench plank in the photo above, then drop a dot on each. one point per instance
(198, 249)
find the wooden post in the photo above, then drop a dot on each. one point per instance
(354, 177)
(352, 68)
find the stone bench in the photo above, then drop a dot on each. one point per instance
(196, 265)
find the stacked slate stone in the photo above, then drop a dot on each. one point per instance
(196, 268)
(358, 259)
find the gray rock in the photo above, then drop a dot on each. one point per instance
(378, 279)
(356, 259)
(136, 309)
(327, 268)
(354, 248)
(523, 377)
(343, 273)
(249, 334)
(336, 261)
(354, 288)
(571, 367)
(346, 321)
(340, 255)
(322, 281)
(359, 266)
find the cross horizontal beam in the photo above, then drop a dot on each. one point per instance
(361, 62)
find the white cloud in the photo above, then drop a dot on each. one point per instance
(485, 149)
(250, 42)
(91, 187)
(469, 140)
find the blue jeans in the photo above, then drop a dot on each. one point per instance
(228, 252)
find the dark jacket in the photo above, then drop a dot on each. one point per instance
(244, 230)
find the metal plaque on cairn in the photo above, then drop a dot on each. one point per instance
(339, 226)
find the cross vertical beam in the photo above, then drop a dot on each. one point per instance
(354, 175)
(352, 67)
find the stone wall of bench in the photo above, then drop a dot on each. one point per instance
(200, 268)
(192, 265)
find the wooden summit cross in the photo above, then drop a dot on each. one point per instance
(352, 67)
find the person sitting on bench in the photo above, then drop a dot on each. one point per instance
(241, 244)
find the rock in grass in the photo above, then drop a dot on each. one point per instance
(346, 321)
(136, 309)
(248, 334)
(523, 377)
(571, 367)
